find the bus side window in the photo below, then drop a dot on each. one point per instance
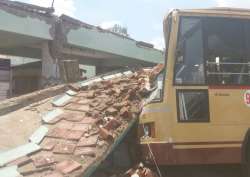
(192, 105)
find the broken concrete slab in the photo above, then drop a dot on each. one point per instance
(38, 135)
(51, 115)
(18, 152)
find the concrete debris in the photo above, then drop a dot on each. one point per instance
(91, 117)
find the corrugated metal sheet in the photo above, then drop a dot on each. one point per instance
(38, 135)
(10, 172)
(18, 152)
(49, 116)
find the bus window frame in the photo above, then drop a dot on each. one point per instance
(178, 108)
(175, 62)
(167, 36)
(206, 83)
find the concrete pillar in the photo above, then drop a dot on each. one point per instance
(50, 68)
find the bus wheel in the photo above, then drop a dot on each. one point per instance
(246, 155)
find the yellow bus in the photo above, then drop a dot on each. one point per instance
(199, 112)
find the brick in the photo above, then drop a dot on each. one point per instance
(74, 134)
(64, 148)
(125, 113)
(90, 94)
(43, 159)
(48, 145)
(88, 151)
(88, 141)
(68, 166)
(57, 133)
(113, 124)
(105, 134)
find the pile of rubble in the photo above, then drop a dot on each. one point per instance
(82, 126)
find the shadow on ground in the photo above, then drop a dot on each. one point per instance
(203, 171)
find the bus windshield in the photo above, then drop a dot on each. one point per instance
(213, 51)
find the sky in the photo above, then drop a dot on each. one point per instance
(143, 18)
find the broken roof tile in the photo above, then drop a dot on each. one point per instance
(88, 151)
(64, 124)
(83, 101)
(30, 169)
(105, 134)
(88, 142)
(68, 166)
(77, 107)
(57, 133)
(43, 159)
(81, 127)
(74, 134)
(64, 148)
(88, 120)
(112, 124)
(74, 117)
(48, 145)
